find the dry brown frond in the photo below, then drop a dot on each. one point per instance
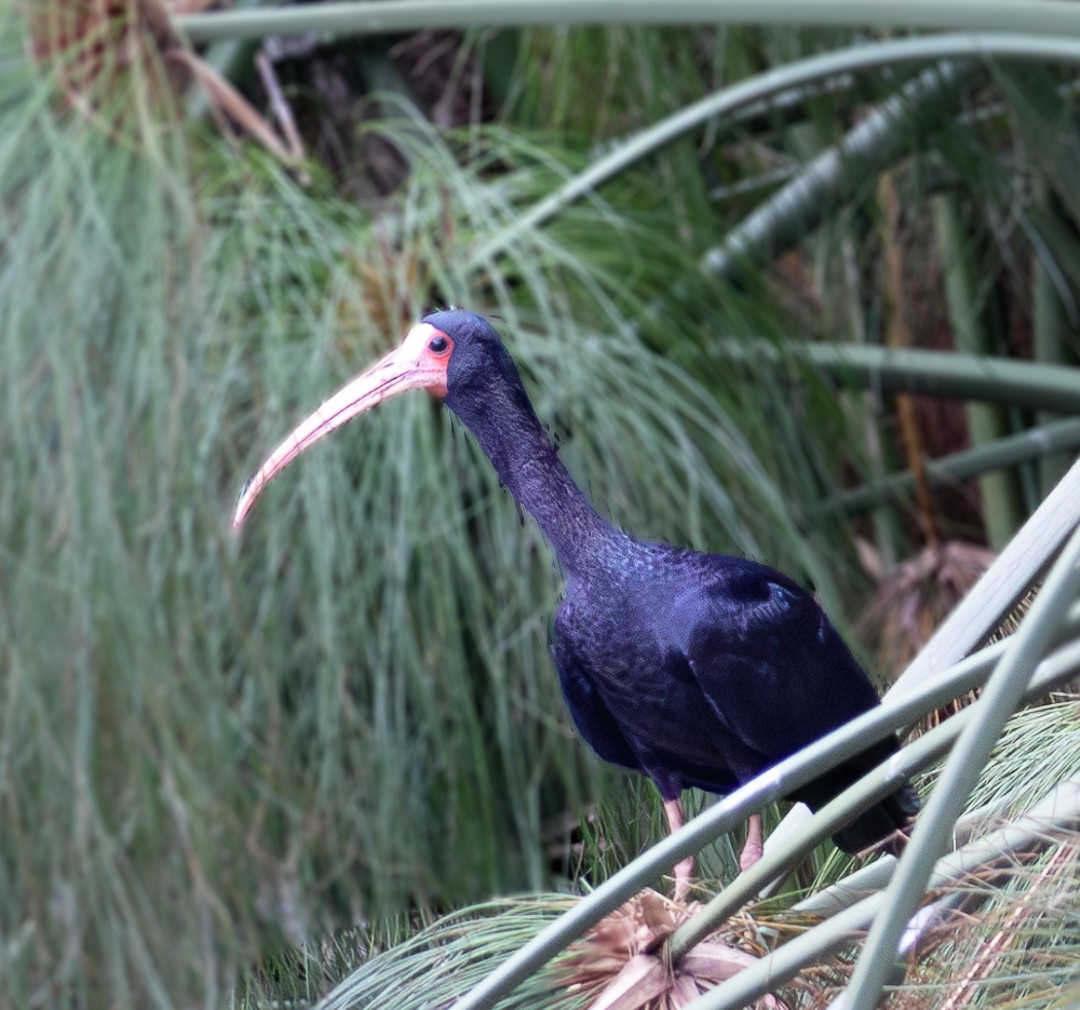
(93, 46)
(620, 964)
(96, 47)
(915, 596)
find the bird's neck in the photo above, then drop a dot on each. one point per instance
(528, 464)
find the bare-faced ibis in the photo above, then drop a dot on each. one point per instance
(700, 670)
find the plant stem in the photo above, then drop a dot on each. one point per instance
(1053, 18)
(1001, 506)
(1051, 439)
(930, 837)
(735, 807)
(940, 373)
(1058, 809)
(833, 177)
(796, 74)
(915, 757)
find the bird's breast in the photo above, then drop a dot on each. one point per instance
(631, 654)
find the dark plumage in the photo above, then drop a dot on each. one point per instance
(700, 670)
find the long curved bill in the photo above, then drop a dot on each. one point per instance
(410, 366)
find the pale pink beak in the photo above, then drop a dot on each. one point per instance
(413, 365)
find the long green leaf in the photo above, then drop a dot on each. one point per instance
(797, 74)
(834, 176)
(937, 373)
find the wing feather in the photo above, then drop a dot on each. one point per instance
(769, 662)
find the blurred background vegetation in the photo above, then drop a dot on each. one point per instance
(216, 749)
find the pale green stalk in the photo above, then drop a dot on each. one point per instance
(834, 176)
(731, 811)
(938, 373)
(870, 789)
(874, 786)
(796, 74)
(1059, 809)
(930, 837)
(1053, 18)
(965, 294)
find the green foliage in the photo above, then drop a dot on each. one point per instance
(430, 967)
(215, 749)
(215, 745)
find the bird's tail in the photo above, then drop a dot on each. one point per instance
(884, 822)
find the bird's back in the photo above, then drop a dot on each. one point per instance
(704, 670)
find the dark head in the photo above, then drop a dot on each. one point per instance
(454, 354)
(479, 365)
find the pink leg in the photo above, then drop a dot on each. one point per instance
(754, 846)
(684, 869)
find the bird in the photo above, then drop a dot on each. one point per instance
(699, 670)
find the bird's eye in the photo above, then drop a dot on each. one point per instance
(438, 344)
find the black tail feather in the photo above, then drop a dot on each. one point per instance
(880, 823)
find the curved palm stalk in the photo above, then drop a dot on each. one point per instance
(732, 809)
(1059, 667)
(1059, 809)
(647, 868)
(875, 875)
(940, 373)
(463, 942)
(556, 936)
(831, 178)
(797, 74)
(411, 15)
(930, 837)
(874, 786)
